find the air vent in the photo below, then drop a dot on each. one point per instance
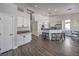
(20, 9)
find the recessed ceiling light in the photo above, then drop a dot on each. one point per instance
(55, 10)
(49, 9)
(35, 6)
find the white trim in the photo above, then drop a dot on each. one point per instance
(15, 47)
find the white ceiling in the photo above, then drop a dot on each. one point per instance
(61, 8)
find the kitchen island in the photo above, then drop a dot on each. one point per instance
(51, 32)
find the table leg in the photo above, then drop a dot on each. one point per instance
(50, 36)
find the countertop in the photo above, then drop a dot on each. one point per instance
(50, 29)
(22, 32)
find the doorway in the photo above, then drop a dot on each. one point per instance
(67, 27)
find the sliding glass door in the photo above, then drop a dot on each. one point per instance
(67, 25)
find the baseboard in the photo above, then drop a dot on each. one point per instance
(35, 35)
(15, 47)
(6, 51)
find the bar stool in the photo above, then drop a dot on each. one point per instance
(47, 35)
(58, 36)
(63, 35)
(54, 37)
(43, 35)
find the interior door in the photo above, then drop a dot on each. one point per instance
(8, 42)
(1, 33)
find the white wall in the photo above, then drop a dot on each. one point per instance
(8, 8)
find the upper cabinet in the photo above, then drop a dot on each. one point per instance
(26, 21)
(19, 21)
(23, 20)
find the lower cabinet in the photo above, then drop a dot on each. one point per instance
(28, 38)
(23, 38)
(19, 39)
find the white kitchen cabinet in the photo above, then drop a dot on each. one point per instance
(6, 32)
(27, 37)
(23, 21)
(19, 21)
(23, 38)
(19, 40)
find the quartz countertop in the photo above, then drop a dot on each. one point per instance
(22, 32)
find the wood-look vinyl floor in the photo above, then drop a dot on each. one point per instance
(44, 47)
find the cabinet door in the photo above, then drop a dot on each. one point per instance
(19, 21)
(1, 33)
(28, 37)
(19, 40)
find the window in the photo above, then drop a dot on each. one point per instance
(67, 24)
